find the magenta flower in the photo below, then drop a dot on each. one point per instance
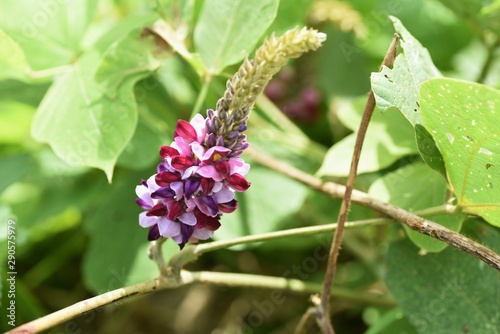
(194, 185)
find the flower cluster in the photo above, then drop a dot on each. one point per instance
(202, 169)
(195, 183)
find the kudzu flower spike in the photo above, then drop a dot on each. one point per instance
(201, 170)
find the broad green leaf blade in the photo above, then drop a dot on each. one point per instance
(49, 32)
(227, 31)
(142, 150)
(89, 122)
(264, 207)
(389, 137)
(463, 119)
(398, 87)
(15, 121)
(82, 125)
(417, 187)
(13, 62)
(126, 57)
(448, 292)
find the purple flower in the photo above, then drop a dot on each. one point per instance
(194, 185)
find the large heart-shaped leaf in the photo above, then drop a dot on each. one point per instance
(82, 125)
(87, 120)
(463, 119)
(227, 31)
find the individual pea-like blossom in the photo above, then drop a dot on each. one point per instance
(201, 170)
(194, 185)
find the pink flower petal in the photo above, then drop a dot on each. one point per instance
(198, 123)
(215, 153)
(168, 228)
(185, 130)
(174, 210)
(238, 182)
(147, 221)
(237, 165)
(188, 218)
(202, 233)
(163, 179)
(182, 146)
(223, 196)
(168, 151)
(178, 187)
(182, 162)
(210, 172)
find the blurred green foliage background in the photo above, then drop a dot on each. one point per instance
(77, 234)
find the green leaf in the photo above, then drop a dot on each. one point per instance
(483, 14)
(270, 131)
(126, 57)
(389, 137)
(15, 121)
(416, 187)
(463, 119)
(393, 321)
(14, 166)
(83, 126)
(48, 31)
(265, 207)
(398, 87)
(342, 66)
(13, 62)
(428, 150)
(290, 14)
(87, 122)
(142, 150)
(227, 31)
(448, 292)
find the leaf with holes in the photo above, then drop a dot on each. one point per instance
(227, 31)
(398, 87)
(463, 119)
